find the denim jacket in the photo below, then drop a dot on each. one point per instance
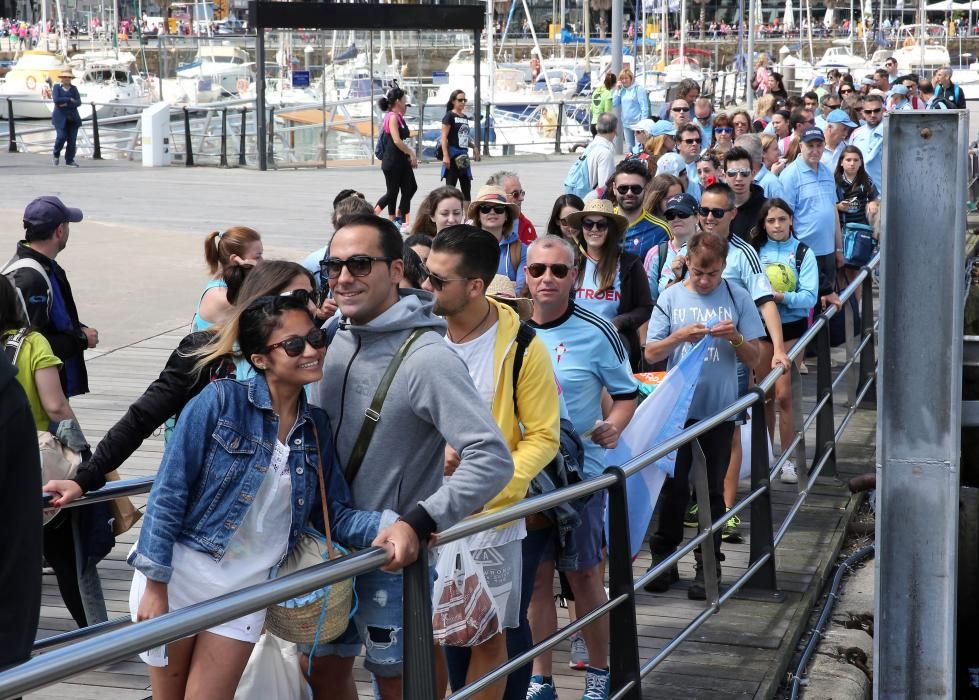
(216, 461)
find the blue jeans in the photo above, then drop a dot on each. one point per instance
(66, 135)
(518, 639)
(630, 139)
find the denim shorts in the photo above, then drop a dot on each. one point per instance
(589, 537)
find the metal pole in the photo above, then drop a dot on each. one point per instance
(188, 143)
(419, 659)
(241, 137)
(762, 538)
(96, 142)
(586, 20)
(224, 138)
(919, 404)
(750, 60)
(263, 163)
(270, 158)
(477, 86)
(825, 433)
(867, 355)
(624, 645)
(616, 28)
(560, 125)
(11, 126)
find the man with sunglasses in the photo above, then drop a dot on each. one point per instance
(588, 357)
(739, 171)
(401, 463)
(679, 113)
(703, 111)
(515, 194)
(869, 138)
(827, 104)
(689, 144)
(890, 68)
(762, 177)
(645, 231)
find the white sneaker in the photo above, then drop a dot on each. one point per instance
(788, 475)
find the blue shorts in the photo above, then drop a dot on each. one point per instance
(589, 537)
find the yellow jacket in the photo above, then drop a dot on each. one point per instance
(537, 443)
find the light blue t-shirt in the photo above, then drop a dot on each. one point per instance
(678, 307)
(812, 196)
(506, 267)
(604, 303)
(769, 182)
(312, 263)
(871, 145)
(797, 302)
(634, 102)
(587, 356)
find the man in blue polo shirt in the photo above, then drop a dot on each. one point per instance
(588, 357)
(809, 188)
(869, 138)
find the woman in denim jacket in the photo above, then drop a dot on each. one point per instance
(237, 483)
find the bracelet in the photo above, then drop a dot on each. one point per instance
(739, 343)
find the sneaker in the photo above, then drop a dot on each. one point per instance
(539, 690)
(802, 368)
(690, 519)
(579, 653)
(697, 590)
(788, 475)
(57, 160)
(596, 684)
(662, 583)
(72, 164)
(730, 533)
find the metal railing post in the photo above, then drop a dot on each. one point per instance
(762, 537)
(489, 128)
(705, 518)
(419, 659)
(825, 432)
(421, 130)
(224, 138)
(624, 644)
(868, 356)
(96, 141)
(271, 152)
(241, 137)
(188, 143)
(560, 125)
(11, 126)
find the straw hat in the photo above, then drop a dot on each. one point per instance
(66, 74)
(503, 290)
(491, 194)
(606, 209)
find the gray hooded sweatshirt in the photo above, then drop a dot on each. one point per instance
(431, 401)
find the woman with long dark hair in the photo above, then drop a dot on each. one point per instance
(558, 224)
(456, 140)
(398, 160)
(776, 86)
(858, 199)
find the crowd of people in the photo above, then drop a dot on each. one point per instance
(410, 375)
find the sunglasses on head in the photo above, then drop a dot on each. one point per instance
(303, 296)
(559, 270)
(626, 189)
(716, 212)
(739, 172)
(295, 344)
(594, 224)
(438, 282)
(495, 208)
(358, 265)
(671, 215)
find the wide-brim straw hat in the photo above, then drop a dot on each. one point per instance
(603, 207)
(66, 74)
(503, 290)
(491, 194)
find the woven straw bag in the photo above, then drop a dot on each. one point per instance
(321, 615)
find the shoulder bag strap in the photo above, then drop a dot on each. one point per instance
(322, 479)
(373, 414)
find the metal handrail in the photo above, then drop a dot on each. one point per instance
(111, 646)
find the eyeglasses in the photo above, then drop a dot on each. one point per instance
(723, 129)
(303, 296)
(890, 64)
(739, 172)
(690, 142)
(495, 208)
(594, 224)
(832, 107)
(559, 270)
(358, 265)
(670, 215)
(295, 344)
(518, 194)
(626, 189)
(681, 109)
(716, 212)
(438, 282)
(461, 99)
(873, 111)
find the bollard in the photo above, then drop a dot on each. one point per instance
(224, 138)
(271, 146)
(241, 137)
(560, 124)
(11, 129)
(96, 142)
(189, 155)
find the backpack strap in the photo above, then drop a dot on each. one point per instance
(525, 334)
(13, 343)
(372, 415)
(800, 255)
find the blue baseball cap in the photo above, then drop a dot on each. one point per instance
(664, 127)
(813, 133)
(47, 213)
(820, 80)
(899, 89)
(838, 116)
(683, 202)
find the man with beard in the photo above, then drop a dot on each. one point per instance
(645, 231)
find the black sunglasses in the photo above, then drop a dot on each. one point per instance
(670, 215)
(594, 224)
(626, 189)
(358, 265)
(717, 212)
(295, 344)
(438, 282)
(495, 208)
(681, 109)
(691, 142)
(559, 270)
(845, 92)
(873, 111)
(461, 99)
(303, 296)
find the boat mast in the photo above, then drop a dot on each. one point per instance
(750, 62)
(543, 67)
(852, 26)
(812, 53)
(683, 34)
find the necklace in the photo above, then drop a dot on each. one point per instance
(489, 308)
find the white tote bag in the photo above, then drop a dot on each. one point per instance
(273, 672)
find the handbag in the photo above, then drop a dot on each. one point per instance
(323, 614)
(464, 612)
(859, 244)
(273, 672)
(124, 513)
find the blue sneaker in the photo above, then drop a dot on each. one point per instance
(539, 690)
(596, 684)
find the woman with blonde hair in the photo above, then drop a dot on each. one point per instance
(764, 108)
(634, 102)
(770, 155)
(760, 82)
(238, 245)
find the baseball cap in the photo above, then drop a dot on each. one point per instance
(663, 127)
(820, 80)
(899, 89)
(670, 164)
(868, 81)
(813, 133)
(838, 116)
(49, 212)
(682, 202)
(644, 125)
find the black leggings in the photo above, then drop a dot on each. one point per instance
(452, 176)
(397, 178)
